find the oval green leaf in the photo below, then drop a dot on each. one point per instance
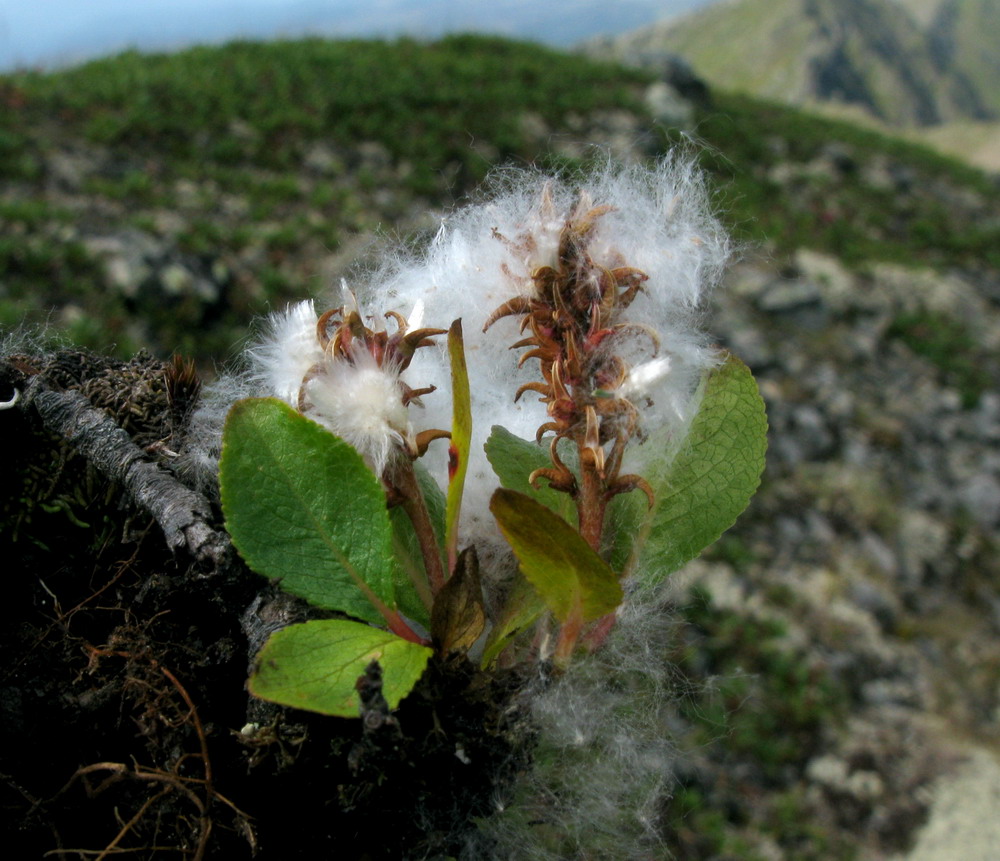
(315, 666)
(707, 484)
(513, 459)
(303, 508)
(555, 559)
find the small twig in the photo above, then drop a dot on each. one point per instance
(183, 515)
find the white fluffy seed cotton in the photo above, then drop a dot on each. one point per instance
(362, 404)
(353, 397)
(659, 221)
(288, 349)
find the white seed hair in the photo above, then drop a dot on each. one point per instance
(605, 761)
(287, 351)
(662, 224)
(362, 404)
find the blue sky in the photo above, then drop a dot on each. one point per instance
(57, 32)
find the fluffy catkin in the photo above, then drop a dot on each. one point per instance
(660, 222)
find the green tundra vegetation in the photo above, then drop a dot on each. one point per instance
(212, 151)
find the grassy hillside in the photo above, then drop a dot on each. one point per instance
(251, 159)
(868, 53)
(423, 102)
(966, 33)
(163, 201)
(798, 180)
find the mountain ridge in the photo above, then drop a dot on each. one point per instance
(871, 54)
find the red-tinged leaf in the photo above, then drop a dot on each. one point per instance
(555, 559)
(458, 618)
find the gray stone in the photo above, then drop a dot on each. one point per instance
(667, 105)
(322, 159)
(875, 548)
(798, 299)
(981, 497)
(897, 692)
(128, 258)
(963, 823)
(176, 280)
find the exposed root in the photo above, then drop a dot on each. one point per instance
(198, 790)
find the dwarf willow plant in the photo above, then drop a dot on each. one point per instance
(603, 443)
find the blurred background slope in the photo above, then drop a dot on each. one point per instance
(838, 652)
(927, 69)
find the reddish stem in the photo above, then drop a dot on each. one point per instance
(569, 633)
(590, 504)
(399, 627)
(405, 482)
(393, 620)
(600, 632)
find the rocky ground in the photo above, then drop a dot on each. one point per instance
(873, 539)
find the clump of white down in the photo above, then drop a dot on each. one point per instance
(661, 223)
(286, 353)
(362, 404)
(357, 400)
(604, 763)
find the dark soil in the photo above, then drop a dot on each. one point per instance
(124, 721)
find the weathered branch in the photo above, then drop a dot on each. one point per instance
(183, 514)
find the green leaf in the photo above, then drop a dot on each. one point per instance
(302, 507)
(709, 482)
(461, 436)
(315, 665)
(623, 523)
(521, 608)
(513, 459)
(408, 570)
(555, 559)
